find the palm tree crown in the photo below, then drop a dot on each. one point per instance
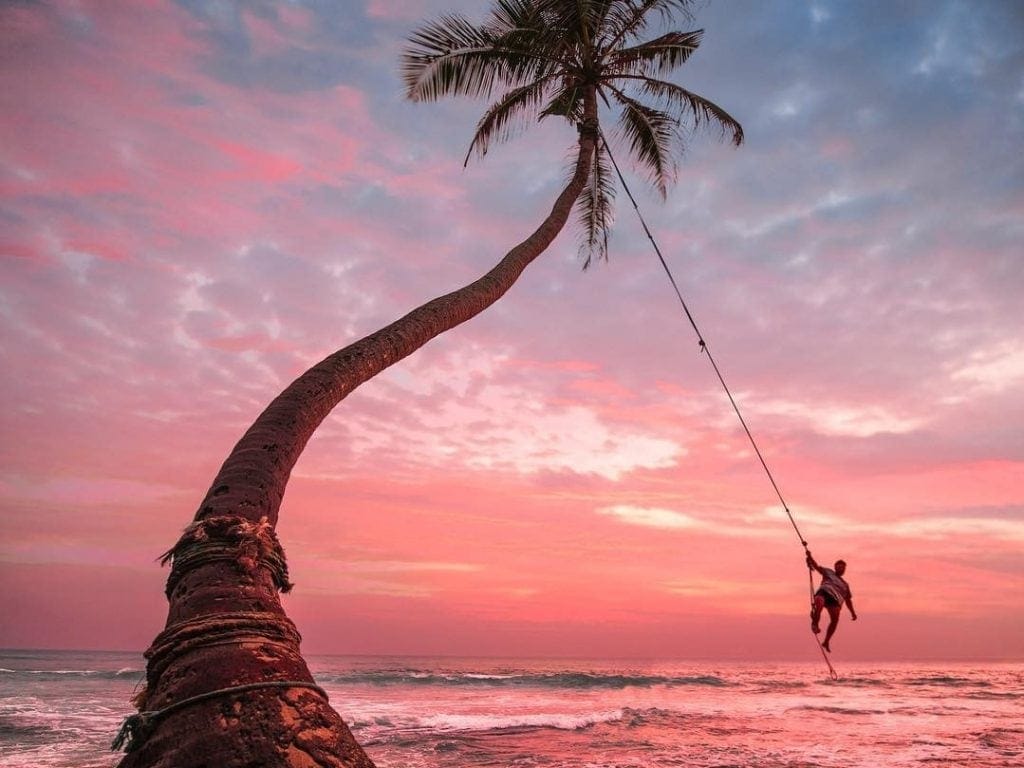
(547, 58)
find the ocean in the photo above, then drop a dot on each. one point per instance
(60, 709)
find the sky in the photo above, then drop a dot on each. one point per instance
(199, 200)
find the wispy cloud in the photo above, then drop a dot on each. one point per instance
(997, 368)
(477, 409)
(200, 200)
(652, 517)
(995, 530)
(407, 566)
(842, 419)
(419, 579)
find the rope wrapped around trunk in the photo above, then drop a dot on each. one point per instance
(248, 546)
(228, 538)
(136, 728)
(218, 629)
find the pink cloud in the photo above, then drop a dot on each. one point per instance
(182, 239)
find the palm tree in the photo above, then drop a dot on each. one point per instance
(226, 684)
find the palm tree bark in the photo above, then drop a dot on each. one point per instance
(226, 627)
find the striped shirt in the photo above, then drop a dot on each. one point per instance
(835, 585)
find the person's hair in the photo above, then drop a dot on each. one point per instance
(840, 561)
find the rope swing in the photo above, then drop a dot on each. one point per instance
(704, 349)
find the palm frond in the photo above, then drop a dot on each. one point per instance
(499, 122)
(567, 103)
(650, 134)
(544, 58)
(625, 19)
(449, 56)
(704, 112)
(663, 54)
(524, 27)
(453, 57)
(595, 207)
(589, 19)
(510, 15)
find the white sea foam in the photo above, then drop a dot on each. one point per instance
(420, 713)
(479, 676)
(565, 722)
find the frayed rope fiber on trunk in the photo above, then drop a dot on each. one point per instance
(136, 728)
(218, 629)
(248, 546)
(228, 538)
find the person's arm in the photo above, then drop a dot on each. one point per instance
(813, 565)
(849, 604)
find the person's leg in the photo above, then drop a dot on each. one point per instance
(816, 605)
(833, 621)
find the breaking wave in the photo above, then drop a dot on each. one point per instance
(61, 674)
(501, 722)
(561, 680)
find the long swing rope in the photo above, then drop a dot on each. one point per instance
(706, 350)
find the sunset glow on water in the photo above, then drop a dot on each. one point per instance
(469, 713)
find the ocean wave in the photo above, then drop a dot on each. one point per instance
(947, 680)
(378, 721)
(993, 695)
(861, 682)
(1007, 741)
(837, 710)
(23, 733)
(570, 680)
(502, 722)
(61, 674)
(772, 686)
(482, 676)
(635, 718)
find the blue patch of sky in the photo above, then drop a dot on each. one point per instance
(11, 217)
(359, 197)
(861, 208)
(827, 60)
(321, 61)
(178, 93)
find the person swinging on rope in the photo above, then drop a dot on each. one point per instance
(833, 592)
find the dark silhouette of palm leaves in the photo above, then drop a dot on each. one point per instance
(539, 57)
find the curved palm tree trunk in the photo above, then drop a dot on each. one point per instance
(226, 628)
